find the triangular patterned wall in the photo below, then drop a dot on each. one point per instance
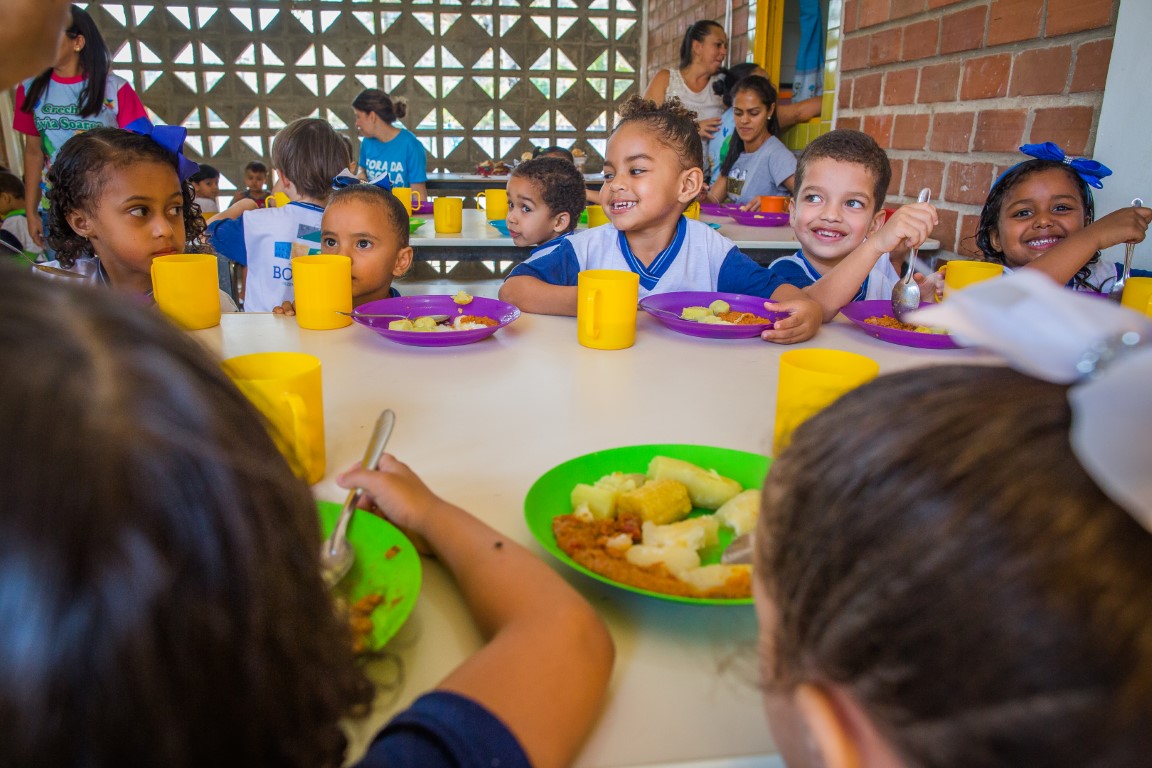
(483, 79)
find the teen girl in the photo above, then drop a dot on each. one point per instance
(757, 163)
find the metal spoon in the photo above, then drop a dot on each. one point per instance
(336, 554)
(906, 294)
(1116, 292)
(436, 318)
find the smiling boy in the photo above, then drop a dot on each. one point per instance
(545, 198)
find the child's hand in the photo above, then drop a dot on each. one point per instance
(287, 308)
(1127, 225)
(751, 205)
(804, 319)
(394, 491)
(909, 226)
(931, 286)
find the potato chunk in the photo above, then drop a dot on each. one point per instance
(741, 511)
(706, 488)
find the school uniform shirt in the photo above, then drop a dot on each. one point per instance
(265, 240)
(403, 159)
(92, 272)
(697, 259)
(16, 225)
(798, 271)
(764, 171)
(207, 205)
(1102, 275)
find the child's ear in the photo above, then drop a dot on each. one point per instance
(878, 220)
(403, 261)
(832, 734)
(994, 239)
(81, 223)
(691, 182)
(560, 222)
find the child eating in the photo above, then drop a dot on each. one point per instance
(545, 198)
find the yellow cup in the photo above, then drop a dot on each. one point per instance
(408, 197)
(693, 210)
(1137, 294)
(606, 302)
(277, 200)
(187, 289)
(495, 203)
(285, 386)
(448, 214)
(596, 216)
(323, 285)
(773, 204)
(962, 273)
(811, 379)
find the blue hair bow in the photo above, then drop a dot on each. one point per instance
(171, 137)
(346, 179)
(1090, 171)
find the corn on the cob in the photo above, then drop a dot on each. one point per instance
(706, 488)
(660, 501)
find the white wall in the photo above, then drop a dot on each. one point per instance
(1124, 134)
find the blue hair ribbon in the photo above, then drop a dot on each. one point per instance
(346, 179)
(171, 137)
(1090, 171)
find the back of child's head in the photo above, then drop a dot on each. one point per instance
(671, 123)
(554, 151)
(960, 575)
(11, 184)
(309, 153)
(389, 208)
(559, 184)
(729, 77)
(256, 167)
(205, 173)
(374, 100)
(697, 33)
(95, 61)
(162, 604)
(80, 171)
(847, 146)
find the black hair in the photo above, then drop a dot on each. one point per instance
(81, 169)
(205, 173)
(12, 184)
(256, 167)
(554, 150)
(672, 123)
(560, 184)
(764, 89)
(847, 146)
(729, 77)
(95, 61)
(308, 152)
(392, 210)
(381, 104)
(696, 33)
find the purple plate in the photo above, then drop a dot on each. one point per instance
(859, 312)
(424, 208)
(718, 209)
(757, 219)
(415, 306)
(661, 304)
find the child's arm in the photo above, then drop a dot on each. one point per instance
(804, 316)
(531, 294)
(719, 190)
(1064, 260)
(545, 666)
(237, 209)
(33, 167)
(910, 224)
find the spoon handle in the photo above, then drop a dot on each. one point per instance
(924, 196)
(380, 435)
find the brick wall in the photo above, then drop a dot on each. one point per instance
(668, 20)
(952, 87)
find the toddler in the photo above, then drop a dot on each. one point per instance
(255, 184)
(206, 185)
(652, 171)
(14, 235)
(545, 198)
(306, 154)
(756, 163)
(1040, 213)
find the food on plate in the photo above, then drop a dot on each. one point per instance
(720, 312)
(658, 501)
(600, 498)
(706, 487)
(428, 324)
(887, 321)
(462, 298)
(740, 512)
(719, 307)
(493, 168)
(525, 156)
(359, 616)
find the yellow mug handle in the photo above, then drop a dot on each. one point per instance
(419, 199)
(590, 315)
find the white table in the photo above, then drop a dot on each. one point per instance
(482, 422)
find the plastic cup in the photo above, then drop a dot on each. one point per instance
(693, 210)
(959, 274)
(606, 302)
(408, 197)
(187, 289)
(323, 285)
(773, 204)
(811, 379)
(596, 216)
(495, 203)
(448, 214)
(1137, 293)
(286, 387)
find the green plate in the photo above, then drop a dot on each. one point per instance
(584, 216)
(396, 578)
(414, 224)
(551, 496)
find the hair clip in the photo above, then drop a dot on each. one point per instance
(171, 137)
(346, 179)
(1091, 171)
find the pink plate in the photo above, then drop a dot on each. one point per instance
(415, 306)
(859, 312)
(666, 308)
(757, 219)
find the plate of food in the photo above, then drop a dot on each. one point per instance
(652, 519)
(417, 321)
(875, 318)
(380, 591)
(758, 219)
(711, 315)
(718, 209)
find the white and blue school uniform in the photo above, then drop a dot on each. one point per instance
(1102, 275)
(798, 271)
(697, 259)
(265, 240)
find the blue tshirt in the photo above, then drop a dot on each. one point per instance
(403, 159)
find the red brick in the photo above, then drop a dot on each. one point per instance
(851, 9)
(938, 82)
(920, 40)
(911, 131)
(941, 3)
(902, 8)
(945, 231)
(844, 94)
(923, 173)
(999, 130)
(1013, 20)
(951, 132)
(900, 86)
(1067, 16)
(966, 246)
(897, 175)
(873, 12)
(1092, 61)
(969, 182)
(848, 123)
(1069, 127)
(885, 47)
(1041, 71)
(854, 53)
(866, 91)
(986, 77)
(963, 30)
(879, 127)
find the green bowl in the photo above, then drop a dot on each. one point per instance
(415, 224)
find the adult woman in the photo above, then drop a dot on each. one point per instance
(756, 163)
(386, 149)
(77, 94)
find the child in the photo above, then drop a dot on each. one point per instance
(756, 163)
(206, 185)
(385, 149)
(306, 154)
(651, 173)
(181, 559)
(984, 604)
(1039, 214)
(369, 225)
(838, 217)
(255, 184)
(14, 231)
(591, 196)
(545, 199)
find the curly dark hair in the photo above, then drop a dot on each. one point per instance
(166, 601)
(560, 184)
(78, 175)
(673, 124)
(764, 89)
(391, 209)
(990, 213)
(848, 146)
